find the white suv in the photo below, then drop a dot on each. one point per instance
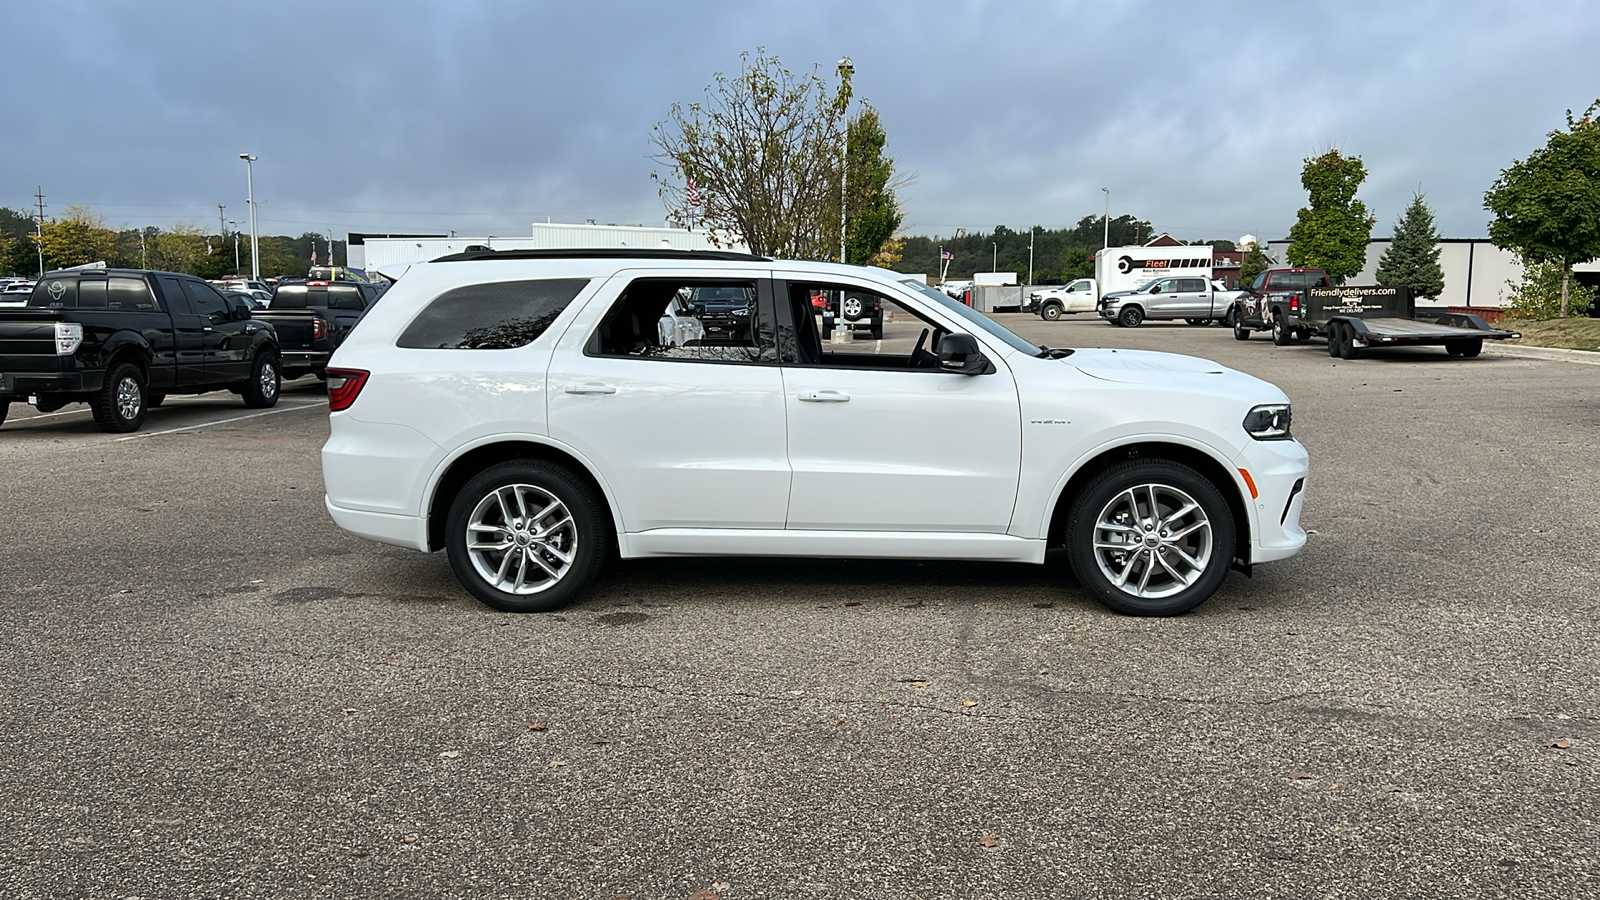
(532, 412)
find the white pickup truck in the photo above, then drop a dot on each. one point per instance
(1199, 301)
(1073, 297)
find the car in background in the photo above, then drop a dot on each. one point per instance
(248, 298)
(1071, 298)
(16, 293)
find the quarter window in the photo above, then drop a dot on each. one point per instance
(503, 315)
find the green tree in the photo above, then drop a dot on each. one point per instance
(1253, 263)
(764, 155)
(874, 212)
(1412, 259)
(1332, 234)
(1543, 293)
(77, 238)
(1547, 207)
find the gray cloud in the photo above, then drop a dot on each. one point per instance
(482, 117)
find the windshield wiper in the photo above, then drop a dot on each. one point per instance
(1053, 352)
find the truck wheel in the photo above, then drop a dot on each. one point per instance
(1150, 538)
(1468, 348)
(1051, 312)
(261, 391)
(1281, 336)
(1130, 317)
(1347, 342)
(120, 405)
(1241, 333)
(1335, 333)
(526, 536)
(877, 329)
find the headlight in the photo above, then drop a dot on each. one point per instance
(1269, 423)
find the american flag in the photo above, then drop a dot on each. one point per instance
(694, 193)
(946, 254)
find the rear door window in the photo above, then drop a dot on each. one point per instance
(129, 294)
(499, 316)
(206, 301)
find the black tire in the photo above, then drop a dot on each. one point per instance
(877, 329)
(155, 400)
(120, 405)
(1241, 333)
(1050, 312)
(1195, 321)
(1335, 331)
(1347, 342)
(1130, 317)
(1213, 546)
(265, 383)
(827, 329)
(1281, 335)
(1468, 348)
(587, 539)
(1231, 318)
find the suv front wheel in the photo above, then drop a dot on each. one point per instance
(1151, 538)
(526, 536)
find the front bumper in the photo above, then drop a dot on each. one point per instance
(1278, 470)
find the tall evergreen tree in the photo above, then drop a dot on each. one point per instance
(1252, 264)
(1412, 259)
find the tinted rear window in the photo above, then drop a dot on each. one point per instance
(55, 293)
(498, 316)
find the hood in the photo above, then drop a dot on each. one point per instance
(1143, 366)
(1117, 295)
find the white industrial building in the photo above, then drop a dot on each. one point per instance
(375, 251)
(1476, 272)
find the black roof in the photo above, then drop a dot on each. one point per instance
(604, 253)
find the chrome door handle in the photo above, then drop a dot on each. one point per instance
(825, 397)
(208, 328)
(592, 387)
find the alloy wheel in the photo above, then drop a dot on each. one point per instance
(521, 539)
(1152, 541)
(128, 400)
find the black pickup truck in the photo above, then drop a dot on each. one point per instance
(312, 320)
(1298, 304)
(121, 340)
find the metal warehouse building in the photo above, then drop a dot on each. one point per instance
(1476, 272)
(375, 251)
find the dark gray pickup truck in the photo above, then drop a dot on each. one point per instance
(312, 320)
(121, 340)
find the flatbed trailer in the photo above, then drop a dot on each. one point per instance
(1357, 319)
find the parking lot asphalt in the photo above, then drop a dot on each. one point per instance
(211, 691)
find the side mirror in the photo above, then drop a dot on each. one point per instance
(699, 310)
(959, 353)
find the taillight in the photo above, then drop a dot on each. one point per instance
(343, 386)
(1294, 303)
(319, 329)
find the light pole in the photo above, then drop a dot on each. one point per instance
(234, 227)
(255, 239)
(1030, 252)
(845, 70)
(1106, 242)
(994, 258)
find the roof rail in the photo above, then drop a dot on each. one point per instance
(604, 253)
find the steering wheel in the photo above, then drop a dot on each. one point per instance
(916, 352)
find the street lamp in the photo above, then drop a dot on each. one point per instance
(234, 227)
(1106, 242)
(994, 258)
(255, 239)
(845, 69)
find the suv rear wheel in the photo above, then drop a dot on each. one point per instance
(526, 536)
(1151, 538)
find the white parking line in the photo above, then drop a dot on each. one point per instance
(267, 412)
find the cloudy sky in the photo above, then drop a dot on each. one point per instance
(480, 117)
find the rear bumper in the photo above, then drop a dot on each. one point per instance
(314, 360)
(402, 531)
(20, 385)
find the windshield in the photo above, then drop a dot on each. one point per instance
(962, 311)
